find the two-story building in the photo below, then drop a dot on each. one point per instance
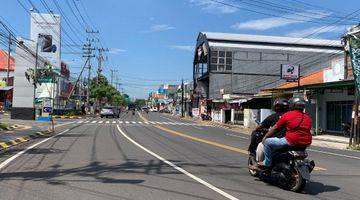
(229, 70)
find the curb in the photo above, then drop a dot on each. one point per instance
(68, 117)
(330, 140)
(6, 145)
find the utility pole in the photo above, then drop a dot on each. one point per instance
(100, 60)
(182, 98)
(8, 62)
(88, 54)
(112, 75)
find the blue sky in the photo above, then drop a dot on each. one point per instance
(151, 41)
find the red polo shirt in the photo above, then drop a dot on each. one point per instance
(298, 126)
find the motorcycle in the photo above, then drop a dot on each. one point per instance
(133, 112)
(290, 167)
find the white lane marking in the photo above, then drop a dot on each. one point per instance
(120, 122)
(7, 161)
(168, 118)
(114, 122)
(201, 181)
(146, 122)
(107, 122)
(79, 122)
(166, 123)
(140, 122)
(334, 154)
(100, 122)
(238, 136)
(197, 127)
(93, 122)
(152, 122)
(133, 122)
(127, 122)
(87, 122)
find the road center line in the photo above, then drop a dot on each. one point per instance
(219, 145)
(201, 181)
(7, 161)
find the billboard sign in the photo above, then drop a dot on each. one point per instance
(290, 72)
(45, 30)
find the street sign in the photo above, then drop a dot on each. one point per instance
(290, 72)
(47, 109)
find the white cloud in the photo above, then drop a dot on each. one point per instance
(315, 31)
(275, 22)
(214, 7)
(116, 50)
(159, 28)
(183, 47)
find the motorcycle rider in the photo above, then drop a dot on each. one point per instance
(280, 106)
(297, 124)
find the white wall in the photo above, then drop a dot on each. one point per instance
(217, 115)
(250, 116)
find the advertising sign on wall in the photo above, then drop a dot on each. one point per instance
(290, 72)
(336, 72)
(45, 30)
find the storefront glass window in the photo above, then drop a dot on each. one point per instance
(338, 112)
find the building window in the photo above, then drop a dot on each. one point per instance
(221, 60)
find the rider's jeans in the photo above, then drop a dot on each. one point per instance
(271, 145)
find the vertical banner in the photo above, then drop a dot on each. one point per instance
(355, 60)
(45, 30)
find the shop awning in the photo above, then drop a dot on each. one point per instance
(7, 88)
(239, 101)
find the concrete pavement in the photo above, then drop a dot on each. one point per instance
(178, 160)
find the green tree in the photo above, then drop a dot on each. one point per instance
(100, 89)
(140, 103)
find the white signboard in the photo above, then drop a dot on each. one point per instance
(196, 112)
(336, 72)
(290, 72)
(45, 30)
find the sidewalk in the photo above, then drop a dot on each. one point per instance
(328, 141)
(21, 131)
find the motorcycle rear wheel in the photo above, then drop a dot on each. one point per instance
(252, 172)
(299, 182)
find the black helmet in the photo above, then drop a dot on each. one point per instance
(297, 103)
(281, 105)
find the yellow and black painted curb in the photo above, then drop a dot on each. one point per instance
(19, 140)
(67, 117)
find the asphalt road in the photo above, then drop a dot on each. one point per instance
(158, 157)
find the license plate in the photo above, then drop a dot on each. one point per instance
(304, 172)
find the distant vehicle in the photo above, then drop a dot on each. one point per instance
(153, 109)
(110, 111)
(165, 110)
(145, 109)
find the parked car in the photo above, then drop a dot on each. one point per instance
(145, 109)
(110, 112)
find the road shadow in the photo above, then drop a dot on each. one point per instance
(315, 188)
